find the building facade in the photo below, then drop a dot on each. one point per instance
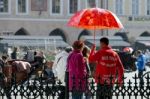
(50, 17)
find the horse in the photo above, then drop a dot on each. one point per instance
(16, 76)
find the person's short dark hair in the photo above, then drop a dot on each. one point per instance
(139, 52)
(78, 45)
(15, 49)
(4, 57)
(104, 40)
(68, 49)
(35, 53)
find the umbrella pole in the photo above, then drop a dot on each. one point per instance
(94, 36)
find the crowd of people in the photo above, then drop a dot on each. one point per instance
(107, 62)
(76, 61)
(106, 66)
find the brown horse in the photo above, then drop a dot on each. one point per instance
(14, 76)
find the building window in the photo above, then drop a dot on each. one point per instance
(56, 6)
(135, 7)
(73, 6)
(91, 3)
(148, 7)
(4, 4)
(105, 4)
(119, 7)
(22, 6)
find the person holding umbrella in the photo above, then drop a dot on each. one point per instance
(108, 65)
(93, 19)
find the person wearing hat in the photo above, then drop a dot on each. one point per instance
(14, 53)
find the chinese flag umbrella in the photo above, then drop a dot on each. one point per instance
(95, 18)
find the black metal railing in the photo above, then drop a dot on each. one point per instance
(40, 88)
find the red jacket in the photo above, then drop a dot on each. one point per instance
(108, 65)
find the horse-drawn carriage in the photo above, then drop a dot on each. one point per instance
(18, 72)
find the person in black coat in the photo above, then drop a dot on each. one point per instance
(128, 60)
(14, 53)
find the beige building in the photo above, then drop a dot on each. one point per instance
(50, 17)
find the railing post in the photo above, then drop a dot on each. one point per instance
(67, 85)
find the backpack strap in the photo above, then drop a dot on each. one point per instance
(59, 59)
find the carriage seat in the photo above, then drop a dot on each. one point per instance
(21, 66)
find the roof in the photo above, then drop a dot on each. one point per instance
(113, 40)
(34, 41)
(146, 43)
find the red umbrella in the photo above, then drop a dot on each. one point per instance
(95, 18)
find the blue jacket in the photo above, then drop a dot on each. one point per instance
(141, 60)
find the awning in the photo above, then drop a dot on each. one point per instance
(146, 43)
(113, 41)
(143, 40)
(39, 41)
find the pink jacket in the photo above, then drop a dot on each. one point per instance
(77, 70)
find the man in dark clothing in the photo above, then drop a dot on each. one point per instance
(127, 60)
(14, 53)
